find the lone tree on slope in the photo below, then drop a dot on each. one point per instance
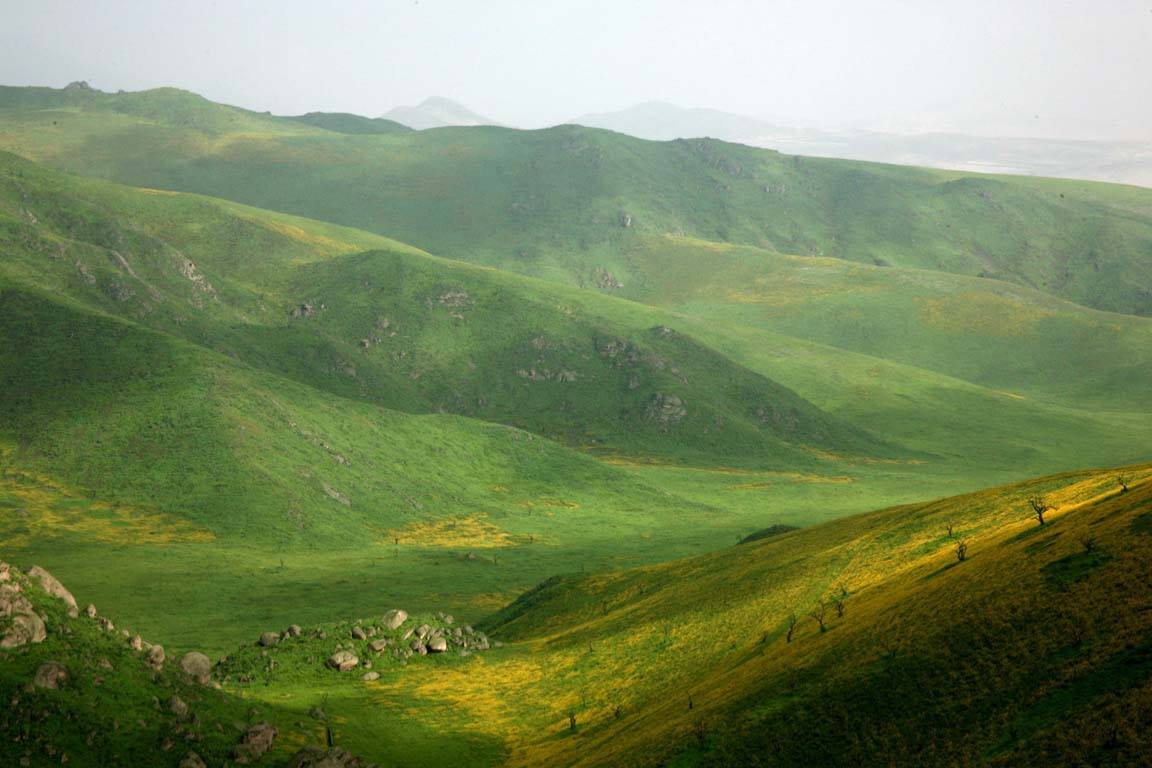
(961, 550)
(1039, 506)
(792, 619)
(1123, 479)
(818, 614)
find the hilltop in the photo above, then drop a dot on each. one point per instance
(562, 203)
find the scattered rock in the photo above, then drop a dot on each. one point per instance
(342, 661)
(605, 280)
(155, 656)
(294, 630)
(5, 572)
(335, 495)
(665, 409)
(370, 677)
(418, 647)
(24, 624)
(136, 643)
(107, 625)
(315, 757)
(437, 645)
(52, 586)
(256, 741)
(394, 618)
(316, 713)
(358, 633)
(379, 645)
(177, 707)
(269, 639)
(197, 666)
(192, 760)
(50, 675)
(90, 611)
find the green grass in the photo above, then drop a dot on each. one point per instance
(552, 202)
(217, 420)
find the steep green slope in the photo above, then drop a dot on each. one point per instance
(398, 328)
(561, 203)
(1032, 650)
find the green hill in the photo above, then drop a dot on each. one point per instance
(401, 329)
(563, 202)
(864, 641)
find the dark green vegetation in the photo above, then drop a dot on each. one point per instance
(264, 419)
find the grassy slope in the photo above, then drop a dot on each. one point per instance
(398, 328)
(1036, 650)
(553, 202)
(986, 332)
(1033, 651)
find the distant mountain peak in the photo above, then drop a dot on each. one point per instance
(436, 112)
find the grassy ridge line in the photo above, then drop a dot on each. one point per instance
(562, 202)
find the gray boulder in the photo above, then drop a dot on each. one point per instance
(24, 625)
(50, 675)
(394, 618)
(197, 667)
(177, 707)
(437, 645)
(342, 661)
(256, 741)
(52, 586)
(370, 677)
(269, 639)
(358, 633)
(155, 656)
(193, 760)
(316, 757)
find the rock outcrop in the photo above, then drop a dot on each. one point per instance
(52, 586)
(256, 741)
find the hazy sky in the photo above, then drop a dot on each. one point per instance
(1068, 68)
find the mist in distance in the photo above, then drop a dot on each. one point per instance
(1071, 70)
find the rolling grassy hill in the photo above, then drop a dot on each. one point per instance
(1032, 650)
(265, 419)
(562, 203)
(251, 389)
(401, 329)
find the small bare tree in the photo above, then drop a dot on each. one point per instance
(571, 719)
(1039, 506)
(1123, 479)
(949, 530)
(818, 614)
(961, 551)
(838, 603)
(792, 619)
